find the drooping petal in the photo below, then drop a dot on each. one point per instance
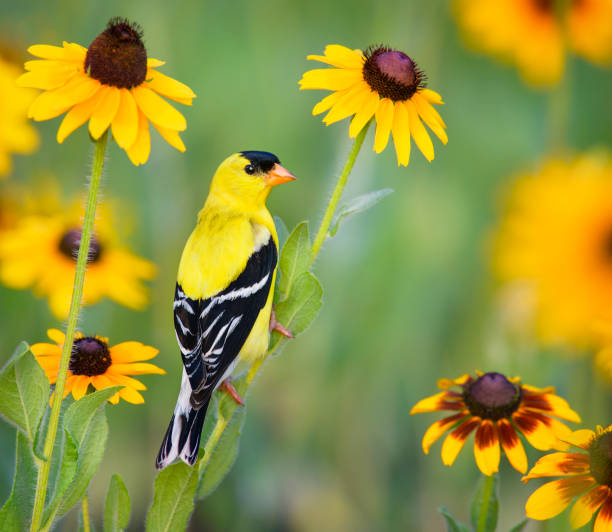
(158, 110)
(587, 505)
(168, 87)
(512, 445)
(171, 137)
(125, 123)
(432, 96)
(486, 448)
(401, 133)
(430, 116)
(131, 396)
(77, 116)
(365, 113)
(53, 103)
(384, 122)
(418, 132)
(438, 428)
(454, 442)
(348, 104)
(559, 464)
(105, 112)
(79, 387)
(140, 150)
(552, 498)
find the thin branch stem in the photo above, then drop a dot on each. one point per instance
(73, 318)
(487, 492)
(85, 512)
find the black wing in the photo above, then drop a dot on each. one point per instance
(211, 332)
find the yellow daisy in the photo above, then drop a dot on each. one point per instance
(93, 361)
(587, 477)
(383, 84)
(555, 241)
(40, 252)
(534, 35)
(16, 134)
(498, 408)
(112, 84)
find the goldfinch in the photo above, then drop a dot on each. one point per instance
(224, 289)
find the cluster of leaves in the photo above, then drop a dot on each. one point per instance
(24, 402)
(483, 512)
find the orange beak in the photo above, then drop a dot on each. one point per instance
(278, 175)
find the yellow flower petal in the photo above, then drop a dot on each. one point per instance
(53, 103)
(171, 137)
(364, 114)
(168, 87)
(418, 132)
(131, 396)
(57, 336)
(603, 522)
(333, 79)
(512, 446)
(77, 116)
(401, 133)
(104, 112)
(126, 352)
(580, 438)
(140, 150)
(454, 442)
(349, 104)
(125, 123)
(79, 387)
(154, 63)
(432, 96)
(46, 79)
(430, 117)
(135, 368)
(433, 433)
(535, 431)
(486, 448)
(44, 350)
(124, 380)
(587, 505)
(384, 121)
(558, 465)
(327, 102)
(158, 110)
(340, 56)
(552, 498)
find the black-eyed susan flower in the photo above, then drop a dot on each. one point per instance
(93, 361)
(383, 84)
(16, 134)
(497, 408)
(555, 242)
(535, 35)
(587, 478)
(110, 84)
(40, 252)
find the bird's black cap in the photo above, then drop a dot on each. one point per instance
(263, 161)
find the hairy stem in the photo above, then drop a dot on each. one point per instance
(337, 193)
(73, 317)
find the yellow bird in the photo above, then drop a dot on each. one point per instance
(223, 299)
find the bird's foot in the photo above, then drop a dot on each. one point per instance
(229, 388)
(276, 326)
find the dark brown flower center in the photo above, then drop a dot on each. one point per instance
(70, 242)
(392, 74)
(90, 356)
(492, 396)
(117, 56)
(600, 454)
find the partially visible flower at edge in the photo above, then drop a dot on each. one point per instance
(112, 84)
(382, 83)
(16, 134)
(93, 361)
(496, 407)
(535, 37)
(588, 477)
(40, 252)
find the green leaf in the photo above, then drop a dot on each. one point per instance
(520, 526)
(223, 456)
(357, 205)
(281, 231)
(451, 524)
(485, 505)
(86, 431)
(117, 507)
(24, 391)
(294, 259)
(16, 513)
(173, 494)
(298, 311)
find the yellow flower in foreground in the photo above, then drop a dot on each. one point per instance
(555, 238)
(588, 475)
(93, 361)
(111, 84)
(531, 34)
(16, 134)
(496, 407)
(40, 252)
(382, 83)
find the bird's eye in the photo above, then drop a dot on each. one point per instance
(249, 169)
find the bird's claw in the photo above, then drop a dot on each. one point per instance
(276, 326)
(231, 391)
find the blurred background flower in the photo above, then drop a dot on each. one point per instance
(328, 442)
(536, 35)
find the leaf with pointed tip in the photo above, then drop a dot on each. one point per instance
(16, 513)
(357, 205)
(451, 524)
(24, 391)
(294, 259)
(117, 506)
(520, 526)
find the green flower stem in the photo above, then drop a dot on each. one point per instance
(73, 317)
(85, 512)
(487, 492)
(337, 193)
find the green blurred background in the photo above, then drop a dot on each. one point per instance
(329, 443)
